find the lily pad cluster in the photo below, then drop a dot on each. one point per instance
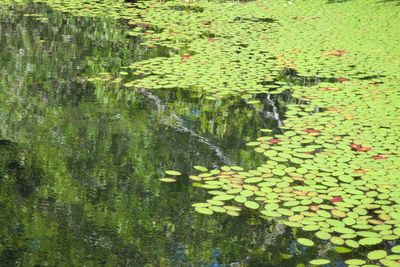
(214, 50)
(334, 169)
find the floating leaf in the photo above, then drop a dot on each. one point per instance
(305, 242)
(202, 210)
(323, 235)
(319, 262)
(224, 197)
(217, 209)
(376, 254)
(167, 180)
(201, 168)
(355, 262)
(370, 241)
(342, 250)
(233, 213)
(251, 204)
(173, 173)
(396, 249)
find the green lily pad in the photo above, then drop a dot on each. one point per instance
(202, 210)
(355, 262)
(396, 249)
(167, 180)
(342, 250)
(201, 168)
(323, 235)
(224, 197)
(370, 241)
(172, 173)
(305, 242)
(376, 254)
(318, 262)
(252, 204)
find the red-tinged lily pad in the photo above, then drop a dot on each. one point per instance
(299, 192)
(380, 156)
(314, 207)
(360, 148)
(363, 149)
(312, 131)
(330, 89)
(185, 57)
(336, 199)
(274, 141)
(360, 171)
(213, 39)
(342, 79)
(310, 152)
(336, 53)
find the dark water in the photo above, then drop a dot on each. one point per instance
(80, 161)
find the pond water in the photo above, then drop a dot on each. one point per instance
(92, 115)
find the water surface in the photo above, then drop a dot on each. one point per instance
(80, 161)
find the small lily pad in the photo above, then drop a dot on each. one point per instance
(167, 180)
(355, 262)
(319, 262)
(252, 205)
(173, 173)
(396, 249)
(370, 241)
(305, 242)
(376, 254)
(200, 168)
(202, 210)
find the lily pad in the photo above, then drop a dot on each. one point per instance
(167, 180)
(173, 173)
(377, 254)
(319, 262)
(251, 204)
(305, 242)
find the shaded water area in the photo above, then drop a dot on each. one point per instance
(80, 163)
